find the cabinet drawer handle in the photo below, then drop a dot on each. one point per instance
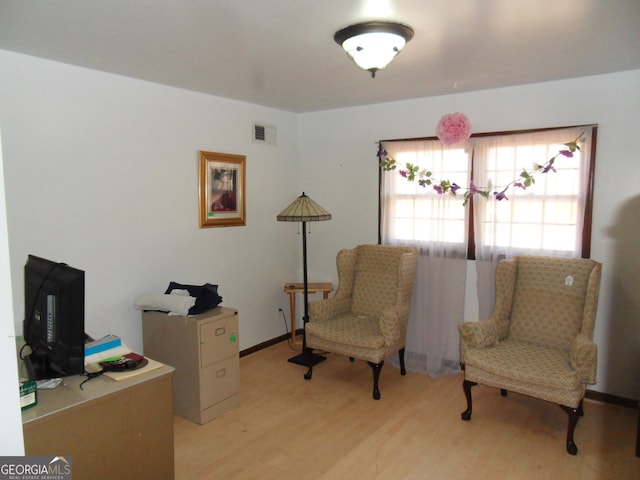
(220, 331)
(221, 373)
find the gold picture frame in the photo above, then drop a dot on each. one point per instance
(222, 190)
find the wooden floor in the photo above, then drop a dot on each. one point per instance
(331, 428)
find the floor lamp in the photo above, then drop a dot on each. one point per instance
(304, 210)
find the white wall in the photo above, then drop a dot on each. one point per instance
(338, 162)
(10, 419)
(101, 172)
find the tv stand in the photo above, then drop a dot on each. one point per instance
(111, 429)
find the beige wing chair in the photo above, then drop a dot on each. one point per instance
(367, 317)
(539, 339)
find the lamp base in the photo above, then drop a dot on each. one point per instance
(300, 359)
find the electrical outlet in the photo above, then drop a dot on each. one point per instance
(568, 280)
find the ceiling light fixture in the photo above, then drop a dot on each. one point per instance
(372, 45)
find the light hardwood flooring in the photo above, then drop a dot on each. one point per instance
(331, 428)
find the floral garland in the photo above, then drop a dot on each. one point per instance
(425, 177)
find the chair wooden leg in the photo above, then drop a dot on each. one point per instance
(376, 367)
(466, 386)
(403, 371)
(574, 416)
(307, 352)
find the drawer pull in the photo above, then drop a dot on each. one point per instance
(220, 331)
(221, 373)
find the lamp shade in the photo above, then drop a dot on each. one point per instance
(373, 45)
(303, 209)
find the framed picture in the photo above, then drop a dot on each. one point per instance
(222, 190)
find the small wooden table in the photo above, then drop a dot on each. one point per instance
(293, 288)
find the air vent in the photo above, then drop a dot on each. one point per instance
(264, 134)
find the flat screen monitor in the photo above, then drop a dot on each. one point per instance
(54, 318)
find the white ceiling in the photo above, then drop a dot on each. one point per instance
(281, 53)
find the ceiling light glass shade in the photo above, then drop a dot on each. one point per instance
(373, 45)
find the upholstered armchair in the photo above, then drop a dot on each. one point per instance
(367, 317)
(539, 339)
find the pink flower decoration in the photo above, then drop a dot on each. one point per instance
(454, 129)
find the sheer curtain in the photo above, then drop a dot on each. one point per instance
(546, 218)
(436, 224)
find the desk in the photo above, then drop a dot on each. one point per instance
(293, 288)
(111, 429)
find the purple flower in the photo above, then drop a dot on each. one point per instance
(438, 189)
(454, 187)
(403, 173)
(518, 184)
(566, 153)
(473, 189)
(548, 167)
(501, 195)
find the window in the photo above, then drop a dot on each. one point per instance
(551, 216)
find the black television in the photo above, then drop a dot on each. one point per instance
(53, 326)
